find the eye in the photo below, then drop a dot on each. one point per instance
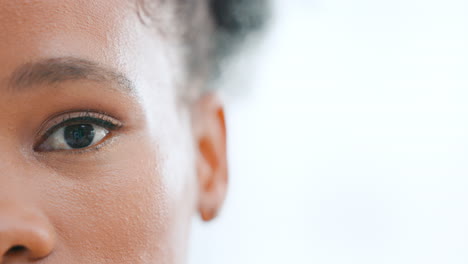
(77, 132)
(75, 137)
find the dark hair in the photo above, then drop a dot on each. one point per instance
(234, 20)
(208, 47)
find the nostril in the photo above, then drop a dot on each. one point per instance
(16, 250)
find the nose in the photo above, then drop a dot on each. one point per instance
(25, 234)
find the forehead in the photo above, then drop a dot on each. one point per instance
(91, 29)
(108, 33)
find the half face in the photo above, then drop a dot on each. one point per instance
(101, 160)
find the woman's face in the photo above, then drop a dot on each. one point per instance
(102, 159)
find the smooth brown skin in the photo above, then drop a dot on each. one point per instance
(130, 198)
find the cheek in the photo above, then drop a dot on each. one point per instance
(130, 209)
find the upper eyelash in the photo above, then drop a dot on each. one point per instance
(88, 114)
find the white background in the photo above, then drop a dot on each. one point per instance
(350, 142)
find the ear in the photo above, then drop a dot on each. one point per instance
(210, 137)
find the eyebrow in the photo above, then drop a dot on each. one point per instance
(58, 70)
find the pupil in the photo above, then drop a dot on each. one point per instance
(79, 136)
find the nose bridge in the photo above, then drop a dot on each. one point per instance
(13, 162)
(16, 169)
(24, 231)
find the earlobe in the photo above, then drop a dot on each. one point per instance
(207, 215)
(210, 136)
